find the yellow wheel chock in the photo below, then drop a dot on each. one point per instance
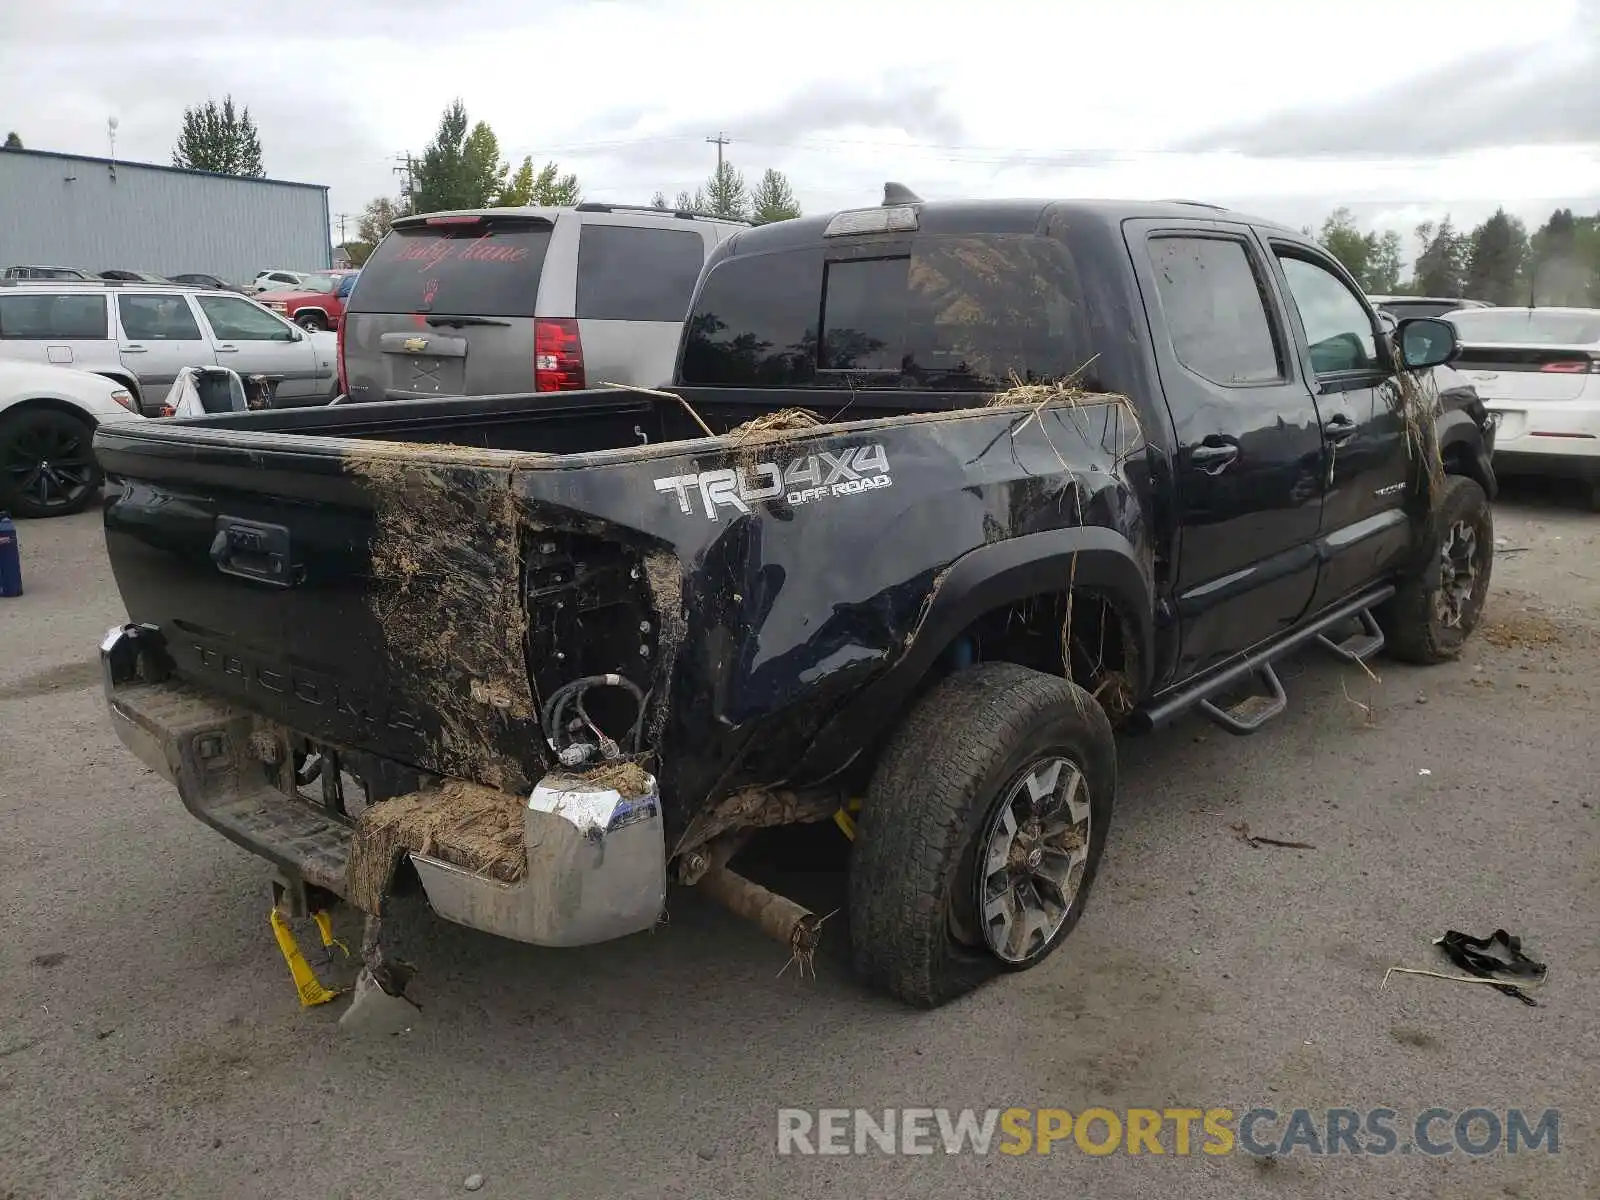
(305, 980)
(844, 819)
(325, 928)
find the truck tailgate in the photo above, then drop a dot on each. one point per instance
(258, 569)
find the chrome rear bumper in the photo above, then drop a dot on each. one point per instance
(596, 859)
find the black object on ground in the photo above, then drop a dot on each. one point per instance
(1498, 955)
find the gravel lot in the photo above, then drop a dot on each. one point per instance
(152, 1045)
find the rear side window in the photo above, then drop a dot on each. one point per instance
(69, 318)
(485, 270)
(967, 311)
(157, 319)
(1215, 310)
(629, 273)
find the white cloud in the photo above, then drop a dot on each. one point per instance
(1018, 97)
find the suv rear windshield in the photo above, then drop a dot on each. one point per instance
(956, 311)
(488, 269)
(1527, 327)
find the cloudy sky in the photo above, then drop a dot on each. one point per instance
(1400, 111)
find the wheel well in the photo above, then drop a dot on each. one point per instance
(1460, 460)
(51, 403)
(1078, 633)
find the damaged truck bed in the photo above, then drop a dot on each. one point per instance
(541, 654)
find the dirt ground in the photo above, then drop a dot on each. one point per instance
(151, 1043)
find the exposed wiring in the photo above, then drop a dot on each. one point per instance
(555, 708)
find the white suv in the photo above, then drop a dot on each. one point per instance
(142, 335)
(505, 300)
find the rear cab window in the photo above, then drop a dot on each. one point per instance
(637, 273)
(933, 311)
(68, 318)
(486, 268)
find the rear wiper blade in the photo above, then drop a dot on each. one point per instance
(459, 321)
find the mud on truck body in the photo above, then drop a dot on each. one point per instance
(941, 495)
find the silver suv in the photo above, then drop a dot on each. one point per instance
(507, 300)
(142, 335)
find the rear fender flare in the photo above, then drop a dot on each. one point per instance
(982, 581)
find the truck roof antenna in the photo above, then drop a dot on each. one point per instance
(899, 193)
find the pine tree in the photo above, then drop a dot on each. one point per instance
(13, 142)
(725, 193)
(216, 138)
(1498, 249)
(773, 199)
(1442, 265)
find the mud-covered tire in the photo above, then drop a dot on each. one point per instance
(935, 796)
(311, 322)
(1421, 623)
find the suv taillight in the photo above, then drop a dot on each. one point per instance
(557, 355)
(344, 383)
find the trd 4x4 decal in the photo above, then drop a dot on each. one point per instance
(801, 480)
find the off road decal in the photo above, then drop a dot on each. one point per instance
(820, 476)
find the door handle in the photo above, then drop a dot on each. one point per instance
(227, 349)
(1338, 428)
(134, 350)
(1215, 454)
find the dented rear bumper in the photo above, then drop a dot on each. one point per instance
(596, 859)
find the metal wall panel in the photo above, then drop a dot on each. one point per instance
(63, 210)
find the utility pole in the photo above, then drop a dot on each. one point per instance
(342, 218)
(720, 141)
(405, 169)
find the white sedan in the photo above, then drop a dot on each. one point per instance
(48, 416)
(1538, 371)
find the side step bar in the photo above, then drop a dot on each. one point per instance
(1194, 693)
(1358, 647)
(1251, 713)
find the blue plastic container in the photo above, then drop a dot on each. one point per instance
(10, 558)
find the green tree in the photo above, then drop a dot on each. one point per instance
(1384, 265)
(659, 201)
(440, 179)
(725, 193)
(773, 199)
(376, 217)
(687, 203)
(1563, 264)
(1498, 249)
(554, 189)
(218, 138)
(1441, 266)
(483, 174)
(13, 142)
(359, 252)
(1348, 244)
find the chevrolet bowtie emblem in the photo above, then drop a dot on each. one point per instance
(416, 345)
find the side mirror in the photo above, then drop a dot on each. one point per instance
(1425, 342)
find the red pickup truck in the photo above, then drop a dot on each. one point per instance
(318, 303)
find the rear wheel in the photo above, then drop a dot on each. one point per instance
(981, 834)
(315, 322)
(1429, 618)
(47, 466)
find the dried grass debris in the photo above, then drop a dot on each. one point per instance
(475, 828)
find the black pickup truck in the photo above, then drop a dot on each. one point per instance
(942, 494)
